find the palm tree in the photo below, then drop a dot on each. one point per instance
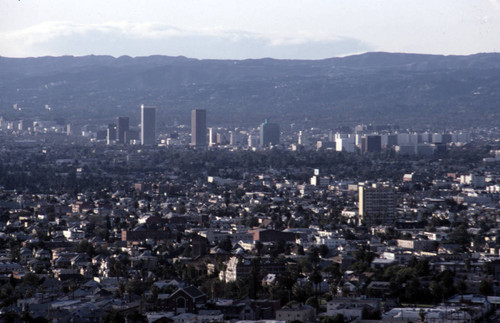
(316, 278)
(486, 288)
(461, 288)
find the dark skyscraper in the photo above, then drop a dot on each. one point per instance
(269, 134)
(198, 127)
(371, 144)
(148, 125)
(122, 128)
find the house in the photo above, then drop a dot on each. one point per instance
(352, 308)
(242, 268)
(200, 246)
(296, 312)
(264, 235)
(236, 310)
(186, 299)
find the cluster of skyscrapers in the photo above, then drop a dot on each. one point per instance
(120, 132)
(409, 143)
(269, 132)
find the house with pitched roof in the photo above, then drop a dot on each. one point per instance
(186, 300)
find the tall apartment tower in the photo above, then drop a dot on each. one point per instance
(110, 134)
(122, 128)
(377, 204)
(198, 127)
(269, 134)
(212, 136)
(148, 125)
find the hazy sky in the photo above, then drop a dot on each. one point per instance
(247, 29)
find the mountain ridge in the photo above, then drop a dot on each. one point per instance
(371, 87)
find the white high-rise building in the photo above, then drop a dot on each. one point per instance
(253, 140)
(345, 144)
(303, 140)
(212, 136)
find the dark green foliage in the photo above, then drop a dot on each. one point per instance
(362, 259)
(226, 244)
(486, 287)
(323, 250)
(339, 318)
(460, 236)
(113, 316)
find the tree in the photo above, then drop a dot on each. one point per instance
(412, 290)
(334, 271)
(422, 267)
(486, 288)
(136, 317)
(301, 293)
(117, 268)
(445, 280)
(10, 316)
(313, 301)
(85, 247)
(363, 258)
(460, 236)
(437, 291)
(113, 316)
(316, 279)
(313, 255)
(134, 287)
(258, 247)
(421, 315)
(339, 318)
(226, 244)
(461, 288)
(323, 250)
(26, 316)
(278, 248)
(31, 279)
(304, 265)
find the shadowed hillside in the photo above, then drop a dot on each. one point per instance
(408, 89)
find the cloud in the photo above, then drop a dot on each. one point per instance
(139, 39)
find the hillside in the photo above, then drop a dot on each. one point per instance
(408, 89)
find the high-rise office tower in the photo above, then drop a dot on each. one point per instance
(122, 128)
(371, 144)
(148, 125)
(198, 127)
(269, 134)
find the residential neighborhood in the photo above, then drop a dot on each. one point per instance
(93, 231)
